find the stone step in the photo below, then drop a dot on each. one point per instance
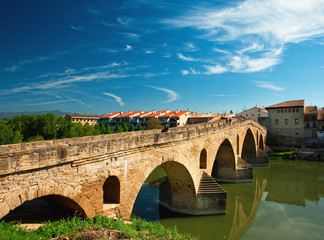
(208, 185)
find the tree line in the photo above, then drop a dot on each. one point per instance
(30, 128)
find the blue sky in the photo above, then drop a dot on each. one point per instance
(105, 56)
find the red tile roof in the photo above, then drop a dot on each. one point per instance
(111, 115)
(157, 113)
(168, 114)
(128, 114)
(180, 113)
(294, 103)
(311, 110)
(321, 115)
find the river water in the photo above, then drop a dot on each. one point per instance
(284, 201)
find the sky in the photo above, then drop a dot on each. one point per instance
(96, 57)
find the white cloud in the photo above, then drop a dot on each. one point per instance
(132, 36)
(128, 48)
(15, 67)
(184, 72)
(149, 51)
(76, 28)
(78, 101)
(268, 85)
(172, 95)
(258, 30)
(180, 56)
(124, 20)
(190, 47)
(117, 99)
(217, 69)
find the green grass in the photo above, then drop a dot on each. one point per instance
(76, 227)
(283, 157)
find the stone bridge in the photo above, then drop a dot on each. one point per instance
(99, 174)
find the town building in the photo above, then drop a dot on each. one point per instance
(293, 124)
(254, 113)
(201, 117)
(285, 123)
(83, 119)
(320, 131)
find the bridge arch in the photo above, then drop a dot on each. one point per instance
(203, 159)
(111, 190)
(64, 196)
(249, 147)
(261, 144)
(224, 164)
(178, 193)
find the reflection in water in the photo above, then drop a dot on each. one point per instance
(283, 202)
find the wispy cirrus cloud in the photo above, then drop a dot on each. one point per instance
(77, 28)
(128, 48)
(217, 69)
(268, 85)
(117, 99)
(223, 95)
(79, 101)
(171, 95)
(125, 20)
(269, 25)
(17, 66)
(182, 57)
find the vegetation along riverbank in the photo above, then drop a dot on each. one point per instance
(87, 229)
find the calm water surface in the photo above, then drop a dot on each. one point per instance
(285, 201)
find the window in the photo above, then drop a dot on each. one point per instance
(252, 115)
(258, 110)
(293, 110)
(297, 132)
(278, 111)
(286, 121)
(285, 110)
(296, 121)
(289, 110)
(314, 125)
(297, 109)
(277, 122)
(259, 114)
(281, 111)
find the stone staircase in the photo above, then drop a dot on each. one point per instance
(208, 185)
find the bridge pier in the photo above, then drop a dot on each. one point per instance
(262, 158)
(209, 200)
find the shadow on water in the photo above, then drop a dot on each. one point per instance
(284, 189)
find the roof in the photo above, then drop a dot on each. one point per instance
(129, 114)
(142, 114)
(168, 114)
(216, 119)
(311, 110)
(321, 115)
(111, 115)
(76, 115)
(154, 114)
(178, 114)
(294, 103)
(204, 115)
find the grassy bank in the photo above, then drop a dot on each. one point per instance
(97, 228)
(283, 157)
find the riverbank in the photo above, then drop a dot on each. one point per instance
(297, 154)
(87, 229)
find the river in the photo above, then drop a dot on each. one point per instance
(284, 201)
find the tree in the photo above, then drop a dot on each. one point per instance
(118, 129)
(131, 128)
(6, 133)
(108, 131)
(35, 138)
(153, 123)
(102, 128)
(139, 127)
(17, 137)
(125, 128)
(96, 130)
(88, 130)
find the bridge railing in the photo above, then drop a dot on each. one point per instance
(33, 155)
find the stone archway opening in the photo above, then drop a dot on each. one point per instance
(224, 164)
(261, 145)
(169, 188)
(111, 190)
(249, 148)
(203, 159)
(46, 208)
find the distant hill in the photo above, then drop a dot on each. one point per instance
(7, 115)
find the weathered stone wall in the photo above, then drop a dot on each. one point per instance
(77, 168)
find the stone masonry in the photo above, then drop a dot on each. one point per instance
(97, 174)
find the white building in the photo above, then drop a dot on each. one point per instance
(254, 113)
